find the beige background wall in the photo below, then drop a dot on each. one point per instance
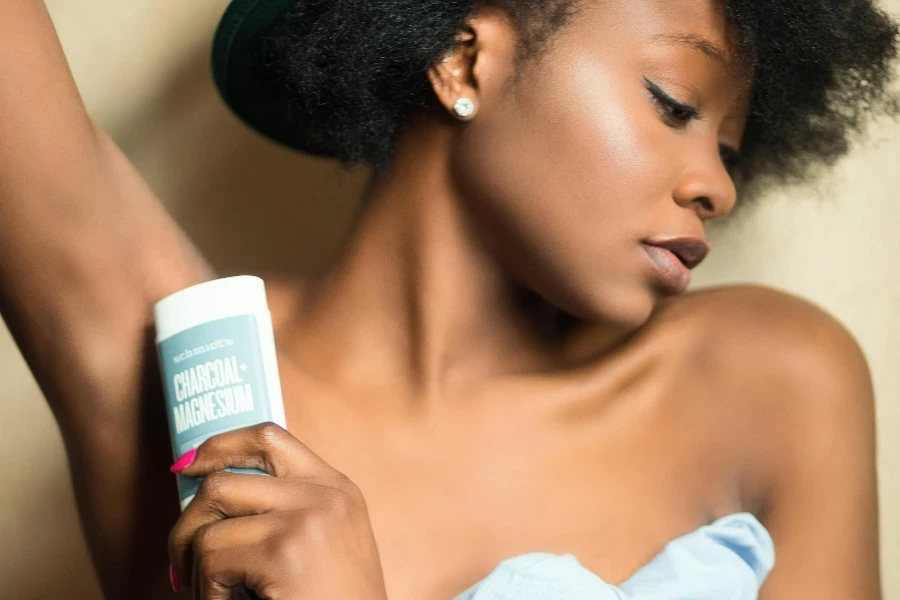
(142, 68)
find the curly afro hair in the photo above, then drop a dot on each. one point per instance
(355, 70)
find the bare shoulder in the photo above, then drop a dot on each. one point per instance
(760, 332)
(788, 381)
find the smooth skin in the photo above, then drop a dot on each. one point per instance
(431, 367)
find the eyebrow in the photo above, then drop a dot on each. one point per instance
(696, 42)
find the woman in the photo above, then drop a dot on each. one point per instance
(503, 360)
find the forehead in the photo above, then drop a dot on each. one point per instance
(697, 30)
(620, 24)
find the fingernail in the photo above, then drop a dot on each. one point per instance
(173, 578)
(184, 461)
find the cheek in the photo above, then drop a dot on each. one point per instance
(565, 176)
(571, 160)
(606, 135)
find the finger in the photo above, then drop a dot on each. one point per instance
(231, 497)
(229, 533)
(221, 574)
(222, 496)
(266, 446)
(213, 538)
(206, 584)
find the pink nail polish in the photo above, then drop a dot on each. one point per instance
(184, 461)
(173, 578)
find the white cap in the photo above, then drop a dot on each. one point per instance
(210, 301)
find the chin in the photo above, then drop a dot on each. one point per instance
(625, 307)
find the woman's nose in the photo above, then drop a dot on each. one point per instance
(706, 186)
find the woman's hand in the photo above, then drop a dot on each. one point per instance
(302, 534)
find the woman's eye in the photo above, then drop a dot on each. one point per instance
(681, 113)
(676, 114)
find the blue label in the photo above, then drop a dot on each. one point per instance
(214, 381)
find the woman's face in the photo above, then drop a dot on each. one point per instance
(612, 141)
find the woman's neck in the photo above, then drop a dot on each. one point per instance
(415, 304)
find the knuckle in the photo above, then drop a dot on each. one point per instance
(205, 539)
(214, 486)
(284, 548)
(269, 433)
(210, 446)
(355, 494)
(341, 503)
(316, 524)
(350, 491)
(343, 483)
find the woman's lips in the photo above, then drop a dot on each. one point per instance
(671, 274)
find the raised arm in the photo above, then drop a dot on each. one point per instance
(85, 250)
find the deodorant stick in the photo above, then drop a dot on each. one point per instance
(217, 357)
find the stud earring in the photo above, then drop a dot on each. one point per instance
(464, 108)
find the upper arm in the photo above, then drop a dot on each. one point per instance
(85, 246)
(794, 393)
(86, 249)
(820, 501)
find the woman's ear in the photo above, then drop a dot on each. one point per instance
(453, 77)
(483, 54)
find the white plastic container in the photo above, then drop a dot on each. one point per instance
(217, 358)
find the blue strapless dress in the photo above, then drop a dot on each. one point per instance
(726, 560)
